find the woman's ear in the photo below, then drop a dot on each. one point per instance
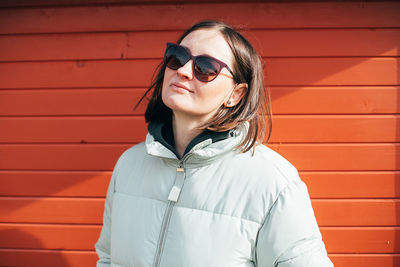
(238, 92)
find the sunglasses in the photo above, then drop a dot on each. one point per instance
(205, 68)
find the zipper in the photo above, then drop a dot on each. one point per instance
(164, 227)
(172, 199)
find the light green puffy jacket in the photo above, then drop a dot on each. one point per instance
(215, 207)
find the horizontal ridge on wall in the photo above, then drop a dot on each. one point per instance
(56, 210)
(121, 101)
(102, 157)
(321, 184)
(132, 129)
(138, 73)
(179, 17)
(141, 45)
(77, 258)
(83, 237)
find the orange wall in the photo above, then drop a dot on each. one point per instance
(70, 76)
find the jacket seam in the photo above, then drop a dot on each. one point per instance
(221, 214)
(321, 246)
(266, 217)
(268, 214)
(183, 207)
(140, 196)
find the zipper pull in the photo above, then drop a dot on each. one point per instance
(176, 189)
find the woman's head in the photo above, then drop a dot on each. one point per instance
(197, 88)
(225, 101)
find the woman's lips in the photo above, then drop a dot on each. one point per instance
(181, 86)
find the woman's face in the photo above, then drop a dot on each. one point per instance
(184, 94)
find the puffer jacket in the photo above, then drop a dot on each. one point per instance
(215, 207)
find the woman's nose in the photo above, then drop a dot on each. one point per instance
(186, 70)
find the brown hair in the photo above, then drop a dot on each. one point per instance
(254, 107)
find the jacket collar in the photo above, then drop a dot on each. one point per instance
(205, 147)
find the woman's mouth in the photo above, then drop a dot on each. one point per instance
(180, 86)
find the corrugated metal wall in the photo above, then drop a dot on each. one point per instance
(70, 76)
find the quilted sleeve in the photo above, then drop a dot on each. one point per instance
(290, 236)
(103, 244)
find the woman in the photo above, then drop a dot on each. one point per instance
(202, 190)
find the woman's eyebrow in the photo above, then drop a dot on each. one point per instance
(190, 52)
(203, 54)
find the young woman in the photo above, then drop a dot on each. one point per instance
(202, 190)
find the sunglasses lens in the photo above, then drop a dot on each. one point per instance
(206, 69)
(175, 57)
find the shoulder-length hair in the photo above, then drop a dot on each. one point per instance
(253, 108)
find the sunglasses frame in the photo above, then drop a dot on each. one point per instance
(191, 57)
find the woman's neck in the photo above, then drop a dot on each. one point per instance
(185, 129)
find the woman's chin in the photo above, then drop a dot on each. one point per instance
(178, 102)
(185, 110)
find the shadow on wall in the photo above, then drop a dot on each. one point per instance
(65, 239)
(14, 238)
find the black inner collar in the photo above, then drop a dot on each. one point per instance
(163, 133)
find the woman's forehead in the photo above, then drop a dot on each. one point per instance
(208, 42)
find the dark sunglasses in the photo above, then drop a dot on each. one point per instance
(205, 68)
